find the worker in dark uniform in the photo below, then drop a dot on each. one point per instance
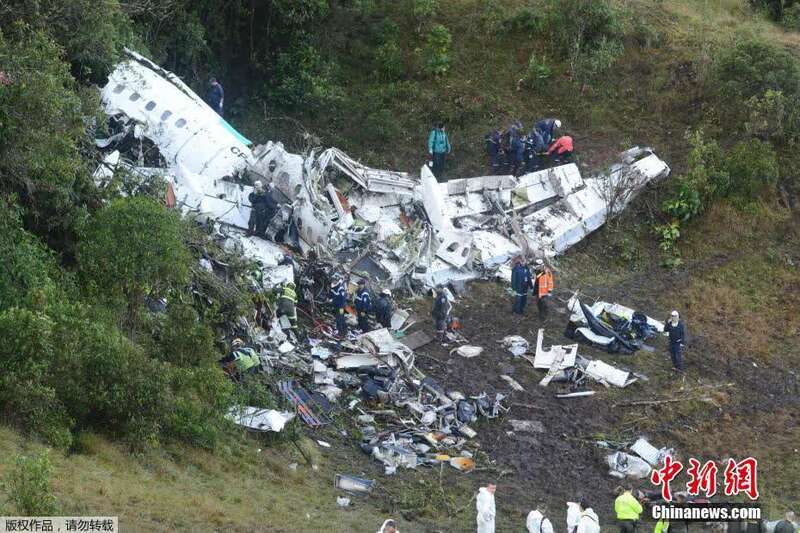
(547, 128)
(384, 309)
(676, 330)
(520, 284)
(441, 309)
(262, 209)
(339, 300)
(216, 97)
(493, 149)
(363, 303)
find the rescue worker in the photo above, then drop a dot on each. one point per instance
(520, 284)
(573, 516)
(628, 510)
(537, 522)
(787, 524)
(484, 504)
(384, 309)
(517, 151)
(438, 148)
(542, 287)
(339, 300)
(588, 521)
(262, 209)
(441, 309)
(662, 526)
(676, 331)
(546, 129)
(389, 526)
(216, 96)
(561, 150)
(240, 360)
(534, 148)
(287, 303)
(363, 303)
(493, 148)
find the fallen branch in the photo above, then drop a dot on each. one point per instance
(659, 402)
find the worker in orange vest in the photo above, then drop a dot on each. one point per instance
(542, 287)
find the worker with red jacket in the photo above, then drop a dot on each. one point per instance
(561, 150)
(542, 287)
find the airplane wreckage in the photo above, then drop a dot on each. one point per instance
(394, 228)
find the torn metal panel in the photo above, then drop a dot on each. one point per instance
(418, 339)
(654, 456)
(493, 249)
(185, 129)
(356, 361)
(455, 247)
(546, 185)
(352, 483)
(399, 318)
(434, 202)
(544, 358)
(371, 179)
(606, 373)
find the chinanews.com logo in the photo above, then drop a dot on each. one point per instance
(739, 477)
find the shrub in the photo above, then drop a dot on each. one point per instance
(525, 21)
(752, 166)
(423, 10)
(537, 73)
(586, 32)
(305, 79)
(437, 50)
(774, 117)
(791, 18)
(751, 67)
(382, 125)
(388, 61)
(131, 248)
(29, 486)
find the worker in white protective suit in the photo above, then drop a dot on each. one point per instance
(537, 522)
(389, 526)
(573, 516)
(485, 506)
(588, 521)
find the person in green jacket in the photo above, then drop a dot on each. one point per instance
(662, 526)
(438, 147)
(628, 510)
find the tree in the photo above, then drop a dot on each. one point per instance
(131, 248)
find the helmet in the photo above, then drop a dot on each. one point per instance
(290, 284)
(539, 263)
(258, 185)
(386, 292)
(558, 123)
(237, 343)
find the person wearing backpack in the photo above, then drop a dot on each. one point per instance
(438, 148)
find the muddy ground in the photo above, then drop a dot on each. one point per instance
(728, 404)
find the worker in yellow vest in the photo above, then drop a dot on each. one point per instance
(628, 510)
(542, 287)
(287, 303)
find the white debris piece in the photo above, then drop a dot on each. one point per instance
(650, 453)
(469, 352)
(626, 465)
(512, 382)
(259, 419)
(516, 345)
(605, 373)
(545, 358)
